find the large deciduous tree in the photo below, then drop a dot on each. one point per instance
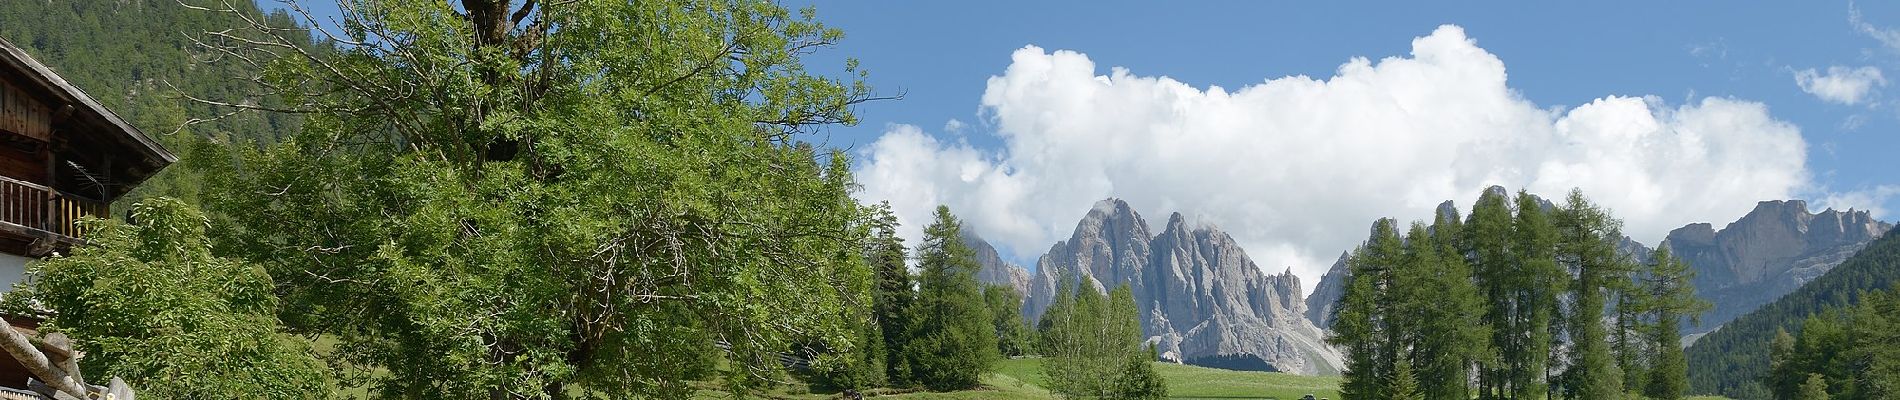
(532, 199)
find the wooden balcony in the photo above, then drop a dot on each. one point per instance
(44, 216)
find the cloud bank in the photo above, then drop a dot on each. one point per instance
(1296, 168)
(1842, 85)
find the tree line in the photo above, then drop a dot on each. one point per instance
(1845, 353)
(1525, 299)
(1734, 360)
(942, 330)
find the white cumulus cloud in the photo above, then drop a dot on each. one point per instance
(1297, 168)
(1839, 84)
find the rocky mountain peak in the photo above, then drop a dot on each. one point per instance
(1769, 252)
(1203, 300)
(996, 271)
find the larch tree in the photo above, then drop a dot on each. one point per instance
(1540, 282)
(1586, 246)
(1453, 336)
(1361, 330)
(1489, 244)
(1667, 282)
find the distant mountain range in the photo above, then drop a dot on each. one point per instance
(1203, 301)
(1764, 255)
(1730, 360)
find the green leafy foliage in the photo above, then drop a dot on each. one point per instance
(1013, 336)
(595, 199)
(150, 304)
(1091, 344)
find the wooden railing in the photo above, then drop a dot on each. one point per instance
(39, 207)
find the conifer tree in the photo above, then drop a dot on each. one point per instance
(1452, 333)
(954, 342)
(1671, 299)
(1586, 247)
(1541, 280)
(892, 296)
(1488, 242)
(1361, 330)
(1782, 379)
(1815, 388)
(1402, 385)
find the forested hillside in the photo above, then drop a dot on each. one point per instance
(138, 58)
(1731, 360)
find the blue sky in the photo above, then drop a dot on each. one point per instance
(938, 54)
(1292, 125)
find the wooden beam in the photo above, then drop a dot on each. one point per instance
(35, 362)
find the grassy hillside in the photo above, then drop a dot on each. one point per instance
(1730, 360)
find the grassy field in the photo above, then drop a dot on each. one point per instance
(1022, 379)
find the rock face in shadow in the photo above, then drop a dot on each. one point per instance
(1202, 300)
(1332, 286)
(994, 270)
(1766, 254)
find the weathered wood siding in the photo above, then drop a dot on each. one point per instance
(23, 115)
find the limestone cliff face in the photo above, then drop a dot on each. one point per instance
(1222, 311)
(1202, 300)
(1110, 244)
(994, 270)
(1319, 305)
(1766, 254)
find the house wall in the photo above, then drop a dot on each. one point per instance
(12, 270)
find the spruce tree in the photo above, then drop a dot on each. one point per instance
(892, 296)
(954, 342)
(1139, 380)
(1402, 385)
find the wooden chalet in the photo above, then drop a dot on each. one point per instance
(63, 156)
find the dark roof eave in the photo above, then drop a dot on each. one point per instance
(18, 59)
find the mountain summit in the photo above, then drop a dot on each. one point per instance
(1203, 301)
(1768, 253)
